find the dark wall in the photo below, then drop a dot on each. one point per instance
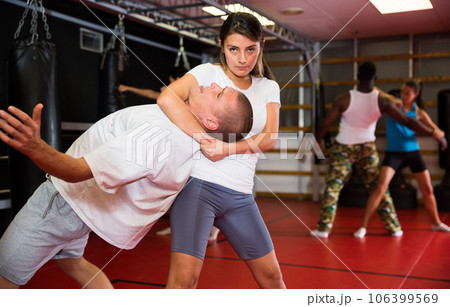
(78, 70)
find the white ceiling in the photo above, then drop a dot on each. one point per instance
(322, 19)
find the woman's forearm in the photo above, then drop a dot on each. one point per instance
(260, 142)
(172, 103)
(265, 140)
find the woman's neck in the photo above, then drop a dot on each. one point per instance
(242, 83)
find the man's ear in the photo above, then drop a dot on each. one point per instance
(210, 123)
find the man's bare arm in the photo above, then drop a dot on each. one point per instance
(23, 134)
(423, 117)
(139, 91)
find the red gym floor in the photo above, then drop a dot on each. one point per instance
(419, 259)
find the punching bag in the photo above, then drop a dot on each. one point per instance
(113, 68)
(444, 125)
(31, 80)
(442, 191)
(354, 192)
(403, 194)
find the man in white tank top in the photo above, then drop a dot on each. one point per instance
(360, 110)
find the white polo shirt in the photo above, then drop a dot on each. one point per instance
(140, 162)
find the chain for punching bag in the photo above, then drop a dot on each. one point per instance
(32, 80)
(182, 55)
(113, 68)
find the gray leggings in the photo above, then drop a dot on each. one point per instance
(202, 204)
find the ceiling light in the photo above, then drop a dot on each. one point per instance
(237, 7)
(213, 10)
(397, 6)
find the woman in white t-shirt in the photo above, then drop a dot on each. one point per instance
(220, 193)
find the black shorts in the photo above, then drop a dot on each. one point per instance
(397, 160)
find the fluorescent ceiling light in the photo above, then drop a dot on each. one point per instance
(397, 6)
(237, 7)
(213, 10)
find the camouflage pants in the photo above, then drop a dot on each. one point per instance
(365, 159)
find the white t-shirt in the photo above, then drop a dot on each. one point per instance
(140, 161)
(236, 172)
(359, 121)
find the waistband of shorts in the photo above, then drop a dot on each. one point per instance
(214, 186)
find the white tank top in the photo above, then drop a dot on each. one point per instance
(359, 121)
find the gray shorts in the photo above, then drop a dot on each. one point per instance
(201, 204)
(46, 228)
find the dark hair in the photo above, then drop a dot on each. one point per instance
(177, 72)
(236, 121)
(367, 71)
(417, 87)
(249, 26)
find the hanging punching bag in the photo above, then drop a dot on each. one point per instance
(403, 194)
(113, 68)
(354, 192)
(31, 80)
(442, 191)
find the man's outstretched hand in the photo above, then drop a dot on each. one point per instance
(22, 132)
